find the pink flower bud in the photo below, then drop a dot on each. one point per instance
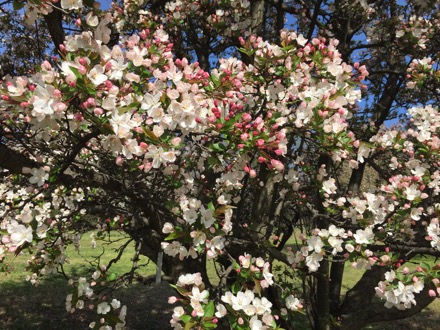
(172, 299)
(98, 111)
(57, 93)
(119, 161)
(246, 117)
(176, 141)
(277, 165)
(82, 70)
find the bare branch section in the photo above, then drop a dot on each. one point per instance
(54, 22)
(14, 161)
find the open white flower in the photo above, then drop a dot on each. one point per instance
(293, 303)
(221, 311)
(71, 4)
(103, 308)
(20, 234)
(97, 76)
(329, 186)
(39, 176)
(312, 261)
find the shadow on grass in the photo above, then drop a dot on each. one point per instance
(428, 319)
(23, 306)
(26, 307)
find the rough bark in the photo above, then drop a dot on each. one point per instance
(257, 15)
(322, 309)
(14, 161)
(54, 22)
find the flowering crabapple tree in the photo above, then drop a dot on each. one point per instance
(255, 134)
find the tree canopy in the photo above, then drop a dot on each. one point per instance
(282, 139)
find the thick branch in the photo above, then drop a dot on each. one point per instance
(54, 21)
(14, 161)
(377, 312)
(363, 292)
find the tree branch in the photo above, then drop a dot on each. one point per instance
(54, 21)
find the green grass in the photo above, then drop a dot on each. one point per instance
(24, 306)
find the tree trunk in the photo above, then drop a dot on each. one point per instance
(322, 308)
(257, 17)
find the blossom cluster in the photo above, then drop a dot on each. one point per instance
(224, 18)
(417, 30)
(396, 293)
(244, 306)
(112, 314)
(419, 71)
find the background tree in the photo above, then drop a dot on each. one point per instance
(275, 145)
(24, 47)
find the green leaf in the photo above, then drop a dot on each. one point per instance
(219, 147)
(185, 318)
(150, 134)
(212, 161)
(113, 319)
(215, 80)
(209, 309)
(222, 209)
(209, 325)
(112, 276)
(257, 287)
(425, 266)
(173, 235)
(17, 5)
(182, 291)
(211, 206)
(235, 287)
(75, 72)
(189, 325)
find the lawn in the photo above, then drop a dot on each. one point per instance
(24, 306)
